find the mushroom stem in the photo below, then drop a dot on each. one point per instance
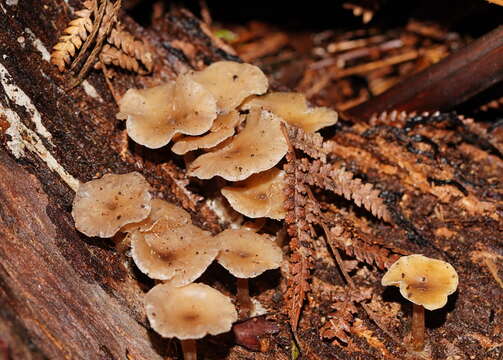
(418, 327)
(189, 349)
(243, 297)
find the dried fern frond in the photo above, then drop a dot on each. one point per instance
(297, 221)
(311, 144)
(110, 55)
(482, 132)
(125, 41)
(342, 182)
(76, 33)
(345, 235)
(340, 321)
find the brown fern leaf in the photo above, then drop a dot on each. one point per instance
(311, 144)
(297, 222)
(393, 118)
(340, 321)
(125, 41)
(480, 130)
(342, 182)
(76, 33)
(110, 55)
(345, 235)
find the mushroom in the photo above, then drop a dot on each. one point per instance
(223, 128)
(101, 207)
(426, 283)
(231, 82)
(172, 251)
(246, 254)
(293, 108)
(189, 313)
(160, 209)
(261, 195)
(258, 147)
(156, 114)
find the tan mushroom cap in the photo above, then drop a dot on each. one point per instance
(246, 254)
(258, 147)
(223, 128)
(231, 82)
(160, 209)
(261, 195)
(101, 207)
(171, 251)
(293, 108)
(189, 312)
(156, 114)
(422, 280)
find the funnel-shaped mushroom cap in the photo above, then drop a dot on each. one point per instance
(261, 195)
(101, 207)
(293, 108)
(189, 312)
(246, 254)
(160, 209)
(422, 280)
(155, 115)
(231, 82)
(171, 251)
(258, 147)
(222, 128)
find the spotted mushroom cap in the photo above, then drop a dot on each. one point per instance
(156, 114)
(160, 209)
(293, 108)
(222, 129)
(258, 147)
(261, 195)
(231, 82)
(172, 251)
(246, 254)
(422, 280)
(189, 312)
(102, 206)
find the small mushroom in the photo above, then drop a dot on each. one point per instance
(172, 251)
(246, 254)
(231, 82)
(426, 283)
(101, 207)
(160, 209)
(156, 114)
(258, 147)
(261, 195)
(189, 313)
(293, 108)
(222, 129)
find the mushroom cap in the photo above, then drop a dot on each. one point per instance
(156, 114)
(293, 108)
(160, 209)
(223, 128)
(189, 312)
(102, 206)
(261, 195)
(258, 147)
(246, 254)
(422, 280)
(172, 251)
(231, 82)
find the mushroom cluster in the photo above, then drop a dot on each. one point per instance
(167, 247)
(223, 115)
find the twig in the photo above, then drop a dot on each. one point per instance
(445, 84)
